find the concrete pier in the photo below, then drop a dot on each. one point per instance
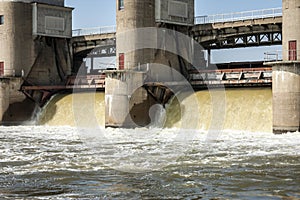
(286, 76)
(127, 100)
(286, 96)
(15, 107)
(4, 98)
(127, 103)
(35, 41)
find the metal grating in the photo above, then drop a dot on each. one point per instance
(178, 9)
(54, 23)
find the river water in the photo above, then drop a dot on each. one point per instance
(244, 160)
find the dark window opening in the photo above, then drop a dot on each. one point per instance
(1, 19)
(1, 68)
(121, 61)
(121, 4)
(293, 50)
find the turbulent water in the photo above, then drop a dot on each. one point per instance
(235, 109)
(55, 162)
(242, 160)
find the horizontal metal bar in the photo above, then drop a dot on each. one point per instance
(93, 31)
(238, 16)
(277, 55)
(226, 17)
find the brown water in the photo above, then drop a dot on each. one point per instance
(81, 161)
(240, 109)
(243, 109)
(74, 110)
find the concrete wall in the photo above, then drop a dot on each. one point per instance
(127, 103)
(44, 60)
(15, 107)
(291, 26)
(4, 96)
(41, 60)
(286, 96)
(136, 14)
(53, 2)
(286, 74)
(16, 40)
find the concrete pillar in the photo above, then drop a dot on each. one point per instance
(123, 93)
(286, 96)
(133, 14)
(127, 102)
(16, 38)
(286, 78)
(291, 29)
(4, 96)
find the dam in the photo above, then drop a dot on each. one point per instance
(160, 53)
(160, 122)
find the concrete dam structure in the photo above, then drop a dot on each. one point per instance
(286, 73)
(157, 49)
(35, 38)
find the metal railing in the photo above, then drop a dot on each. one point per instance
(277, 55)
(207, 19)
(273, 55)
(239, 16)
(93, 31)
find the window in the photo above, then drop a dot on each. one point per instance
(1, 19)
(293, 50)
(121, 61)
(1, 68)
(121, 4)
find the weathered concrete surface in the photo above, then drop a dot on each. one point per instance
(17, 43)
(40, 60)
(52, 2)
(286, 74)
(286, 96)
(4, 97)
(136, 14)
(15, 107)
(127, 103)
(22, 51)
(291, 26)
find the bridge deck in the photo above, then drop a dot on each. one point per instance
(198, 78)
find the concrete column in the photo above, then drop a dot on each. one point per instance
(123, 93)
(135, 14)
(290, 27)
(127, 103)
(286, 78)
(4, 97)
(286, 96)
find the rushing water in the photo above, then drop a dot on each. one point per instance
(242, 161)
(53, 162)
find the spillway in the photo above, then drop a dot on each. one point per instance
(241, 109)
(237, 109)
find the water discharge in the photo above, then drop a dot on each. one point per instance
(245, 109)
(246, 161)
(62, 111)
